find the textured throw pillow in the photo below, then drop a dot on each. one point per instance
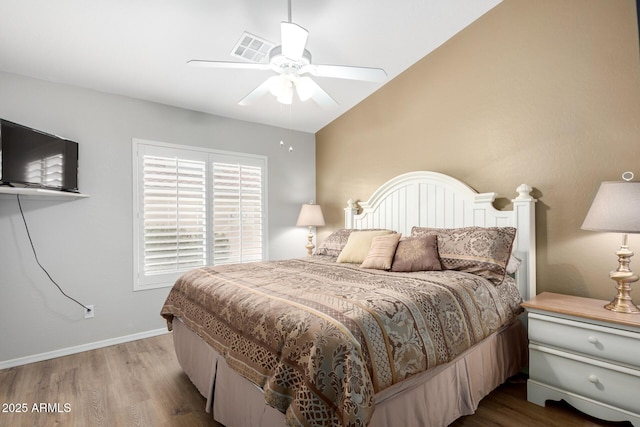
(483, 251)
(513, 264)
(358, 245)
(416, 254)
(381, 252)
(333, 244)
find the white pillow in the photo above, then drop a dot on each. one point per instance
(358, 245)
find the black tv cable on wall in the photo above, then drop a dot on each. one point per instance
(38, 261)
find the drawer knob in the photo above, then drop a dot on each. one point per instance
(592, 339)
(594, 379)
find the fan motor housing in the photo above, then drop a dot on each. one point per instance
(287, 65)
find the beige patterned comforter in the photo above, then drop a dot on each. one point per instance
(321, 338)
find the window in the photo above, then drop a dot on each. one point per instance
(237, 212)
(173, 214)
(195, 207)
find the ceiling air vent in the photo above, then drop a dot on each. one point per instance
(252, 48)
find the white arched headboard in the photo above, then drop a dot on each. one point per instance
(432, 199)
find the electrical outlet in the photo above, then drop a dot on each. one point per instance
(89, 312)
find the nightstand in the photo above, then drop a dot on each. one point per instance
(585, 355)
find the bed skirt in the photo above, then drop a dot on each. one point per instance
(435, 398)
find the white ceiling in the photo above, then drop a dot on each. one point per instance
(139, 48)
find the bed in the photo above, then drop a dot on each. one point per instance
(335, 339)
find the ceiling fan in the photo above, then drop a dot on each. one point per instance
(292, 63)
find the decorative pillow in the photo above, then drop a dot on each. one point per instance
(336, 241)
(416, 254)
(381, 252)
(358, 245)
(513, 264)
(483, 251)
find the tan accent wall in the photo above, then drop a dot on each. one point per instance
(543, 92)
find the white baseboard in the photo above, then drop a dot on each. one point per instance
(80, 348)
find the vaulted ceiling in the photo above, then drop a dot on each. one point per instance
(139, 48)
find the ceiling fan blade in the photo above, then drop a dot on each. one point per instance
(307, 88)
(294, 39)
(226, 64)
(323, 99)
(377, 75)
(258, 92)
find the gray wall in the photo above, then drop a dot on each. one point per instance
(87, 244)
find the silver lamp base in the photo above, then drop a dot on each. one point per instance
(622, 303)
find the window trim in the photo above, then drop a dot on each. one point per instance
(142, 282)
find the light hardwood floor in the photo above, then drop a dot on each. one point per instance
(141, 384)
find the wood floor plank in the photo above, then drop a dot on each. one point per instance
(508, 406)
(141, 384)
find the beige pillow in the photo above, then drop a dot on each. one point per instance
(417, 254)
(334, 243)
(381, 252)
(358, 245)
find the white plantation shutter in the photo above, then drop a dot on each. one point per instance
(174, 214)
(194, 208)
(237, 213)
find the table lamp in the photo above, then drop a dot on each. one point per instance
(310, 216)
(616, 208)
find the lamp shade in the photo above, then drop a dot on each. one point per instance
(615, 208)
(310, 216)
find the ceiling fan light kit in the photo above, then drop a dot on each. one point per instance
(291, 61)
(286, 93)
(305, 87)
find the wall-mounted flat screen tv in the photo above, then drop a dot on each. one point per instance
(31, 158)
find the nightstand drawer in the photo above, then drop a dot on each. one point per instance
(604, 343)
(603, 382)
